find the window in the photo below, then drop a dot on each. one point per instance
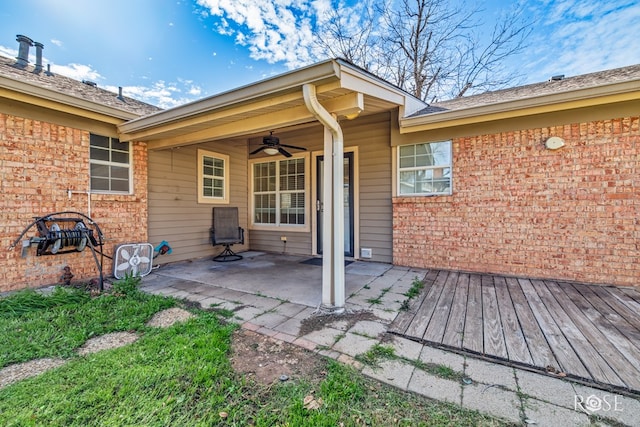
(110, 164)
(424, 169)
(279, 192)
(213, 177)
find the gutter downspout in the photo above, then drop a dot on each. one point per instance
(333, 283)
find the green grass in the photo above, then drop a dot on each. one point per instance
(416, 286)
(182, 376)
(34, 325)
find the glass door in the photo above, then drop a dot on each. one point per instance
(348, 203)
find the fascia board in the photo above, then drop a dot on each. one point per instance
(290, 81)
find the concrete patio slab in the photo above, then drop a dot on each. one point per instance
(393, 372)
(354, 345)
(325, 337)
(441, 357)
(545, 388)
(492, 400)
(369, 328)
(546, 414)
(405, 348)
(620, 408)
(490, 373)
(435, 388)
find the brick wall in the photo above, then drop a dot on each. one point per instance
(39, 161)
(519, 209)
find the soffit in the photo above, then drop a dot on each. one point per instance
(269, 105)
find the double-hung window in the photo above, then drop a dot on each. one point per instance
(279, 193)
(425, 169)
(110, 164)
(213, 177)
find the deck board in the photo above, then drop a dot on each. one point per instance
(428, 306)
(473, 338)
(515, 341)
(580, 333)
(493, 337)
(435, 330)
(588, 332)
(455, 327)
(536, 341)
(405, 318)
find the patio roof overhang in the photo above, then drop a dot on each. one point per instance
(322, 93)
(343, 89)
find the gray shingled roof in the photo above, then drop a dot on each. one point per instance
(75, 88)
(550, 87)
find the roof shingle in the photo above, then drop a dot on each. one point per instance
(75, 88)
(617, 75)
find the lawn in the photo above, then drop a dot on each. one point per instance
(178, 376)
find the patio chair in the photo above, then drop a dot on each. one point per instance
(226, 231)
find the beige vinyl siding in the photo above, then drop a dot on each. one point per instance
(372, 135)
(174, 212)
(269, 241)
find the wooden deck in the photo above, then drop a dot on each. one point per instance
(588, 332)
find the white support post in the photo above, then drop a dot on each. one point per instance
(328, 297)
(338, 221)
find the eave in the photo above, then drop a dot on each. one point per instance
(18, 91)
(575, 100)
(270, 104)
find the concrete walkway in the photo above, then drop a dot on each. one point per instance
(274, 294)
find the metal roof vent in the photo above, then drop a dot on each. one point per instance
(39, 46)
(23, 50)
(90, 83)
(557, 78)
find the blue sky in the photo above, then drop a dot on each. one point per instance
(169, 52)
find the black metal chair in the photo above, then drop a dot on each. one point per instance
(226, 231)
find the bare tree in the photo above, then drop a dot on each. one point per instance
(430, 48)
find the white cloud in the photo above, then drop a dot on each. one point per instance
(274, 31)
(76, 71)
(162, 94)
(579, 36)
(56, 42)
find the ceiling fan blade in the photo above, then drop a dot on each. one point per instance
(294, 147)
(284, 152)
(259, 149)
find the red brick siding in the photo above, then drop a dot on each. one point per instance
(520, 209)
(39, 161)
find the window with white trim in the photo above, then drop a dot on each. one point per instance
(279, 192)
(109, 164)
(213, 177)
(425, 169)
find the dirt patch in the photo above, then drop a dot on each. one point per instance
(266, 360)
(20, 371)
(166, 318)
(106, 342)
(343, 321)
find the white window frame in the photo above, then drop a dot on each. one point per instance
(109, 163)
(306, 227)
(399, 171)
(225, 186)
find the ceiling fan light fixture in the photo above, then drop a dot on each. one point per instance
(271, 151)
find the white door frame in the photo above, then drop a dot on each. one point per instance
(356, 201)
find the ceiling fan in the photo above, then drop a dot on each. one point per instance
(271, 145)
